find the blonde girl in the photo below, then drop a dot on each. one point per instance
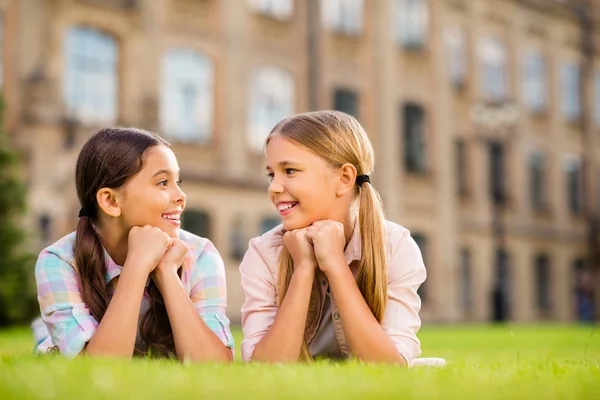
(335, 279)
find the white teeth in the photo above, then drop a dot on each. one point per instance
(287, 206)
(174, 217)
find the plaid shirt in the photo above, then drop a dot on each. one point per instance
(67, 324)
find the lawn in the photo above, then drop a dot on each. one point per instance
(491, 362)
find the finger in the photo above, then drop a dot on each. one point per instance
(309, 235)
(169, 241)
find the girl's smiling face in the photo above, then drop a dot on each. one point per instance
(154, 196)
(302, 185)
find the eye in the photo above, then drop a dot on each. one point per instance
(163, 183)
(180, 182)
(270, 176)
(290, 171)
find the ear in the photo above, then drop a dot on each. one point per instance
(347, 179)
(109, 202)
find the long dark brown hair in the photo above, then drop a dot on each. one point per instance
(108, 160)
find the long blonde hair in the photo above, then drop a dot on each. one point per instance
(338, 138)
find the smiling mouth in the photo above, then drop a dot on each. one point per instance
(174, 218)
(287, 207)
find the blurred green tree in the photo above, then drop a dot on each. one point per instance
(18, 302)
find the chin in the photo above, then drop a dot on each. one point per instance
(293, 225)
(170, 230)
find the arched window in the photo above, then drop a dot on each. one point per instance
(268, 223)
(412, 23)
(542, 283)
(493, 73)
(196, 222)
(466, 280)
(271, 100)
(343, 16)
(90, 76)
(187, 101)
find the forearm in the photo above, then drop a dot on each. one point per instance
(193, 338)
(116, 333)
(283, 341)
(366, 338)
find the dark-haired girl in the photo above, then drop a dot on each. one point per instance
(129, 281)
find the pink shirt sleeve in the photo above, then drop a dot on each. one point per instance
(406, 272)
(260, 307)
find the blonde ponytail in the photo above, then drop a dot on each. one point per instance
(372, 270)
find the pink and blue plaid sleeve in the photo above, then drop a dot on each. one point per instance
(69, 322)
(209, 292)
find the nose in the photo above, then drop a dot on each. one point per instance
(179, 196)
(275, 187)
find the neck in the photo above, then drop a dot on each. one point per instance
(114, 240)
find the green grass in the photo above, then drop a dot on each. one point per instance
(491, 362)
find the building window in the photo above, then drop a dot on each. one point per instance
(278, 9)
(412, 23)
(573, 172)
(1, 51)
(271, 100)
(494, 80)
(268, 223)
(571, 101)
(45, 226)
(346, 101)
(534, 82)
(584, 285)
(502, 288)
(461, 159)
(456, 47)
(343, 16)
(542, 280)
(421, 242)
(197, 222)
(414, 138)
(466, 279)
(90, 76)
(537, 165)
(597, 98)
(497, 177)
(187, 100)
(238, 240)
(598, 193)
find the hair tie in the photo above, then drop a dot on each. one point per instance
(86, 212)
(362, 179)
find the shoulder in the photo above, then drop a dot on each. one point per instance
(58, 255)
(196, 243)
(61, 249)
(395, 234)
(269, 244)
(271, 239)
(202, 254)
(266, 247)
(403, 254)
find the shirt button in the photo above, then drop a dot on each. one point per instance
(323, 282)
(336, 316)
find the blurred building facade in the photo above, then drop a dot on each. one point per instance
(484, 115)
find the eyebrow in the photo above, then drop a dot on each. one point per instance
(163, 171)
(283, 164)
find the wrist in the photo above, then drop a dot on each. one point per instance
(162, 275)
(334, 270)
(305, 270)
